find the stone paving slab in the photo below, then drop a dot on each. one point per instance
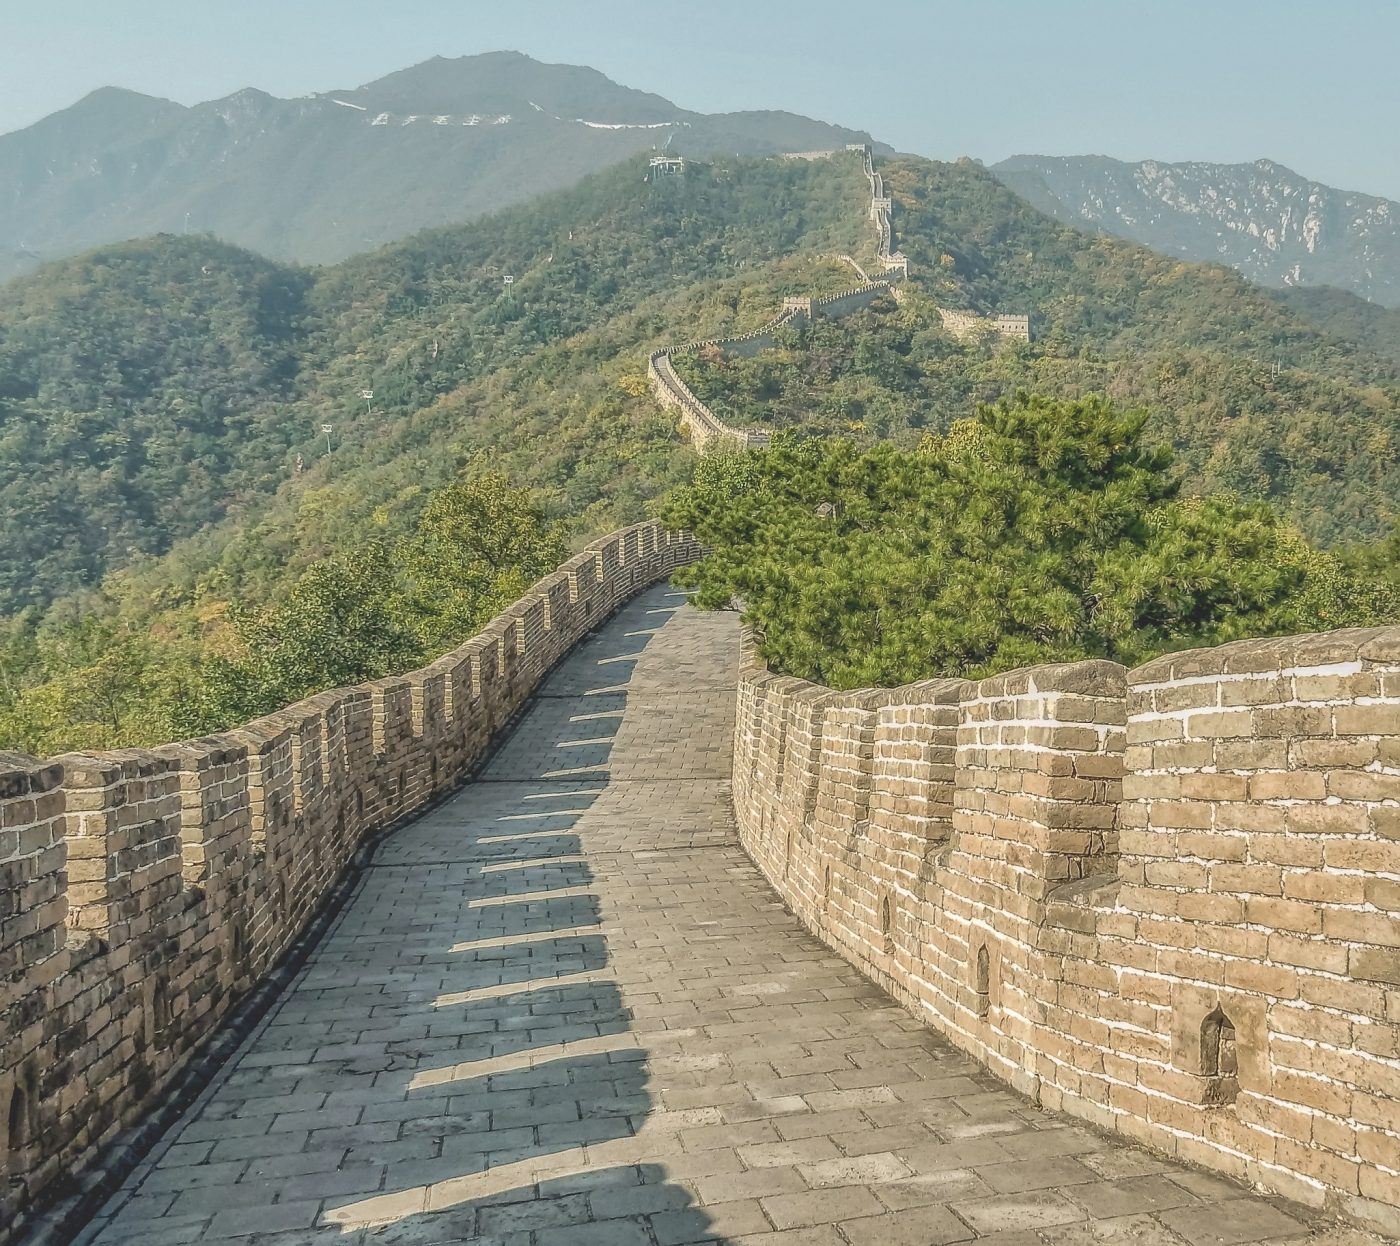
(564, 1009)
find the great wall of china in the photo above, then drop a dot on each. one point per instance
(707, 431)
(1165, 900)
(146, 894)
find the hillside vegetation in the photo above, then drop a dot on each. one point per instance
(268, 580)
(1195, 346)
(142, 389)
(1040, 530)
(1348, 316)
(148, 389)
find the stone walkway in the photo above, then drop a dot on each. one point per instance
(565, 1010)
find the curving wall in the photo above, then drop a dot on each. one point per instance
(145, 892)
(707, 431)
(1166, 900)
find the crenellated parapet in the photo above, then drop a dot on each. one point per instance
(145, 893)
(1161, 899)
(967, 325)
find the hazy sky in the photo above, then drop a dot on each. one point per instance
(1312, 85)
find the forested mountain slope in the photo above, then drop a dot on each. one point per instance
(142, 387)
(543, 378)
(147, 388)
(315, 179)
(1197, 345)
(1349, 316)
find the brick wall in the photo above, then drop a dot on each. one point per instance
(1166, 900)
(144, 893)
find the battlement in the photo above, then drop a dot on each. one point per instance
(1161, 899)
(966, 325)
(145, 892)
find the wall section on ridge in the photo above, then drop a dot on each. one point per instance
(145, 892)
(1165, 900)
(707, 432)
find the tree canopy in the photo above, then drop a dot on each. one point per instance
(1040, 530)
(379, 608)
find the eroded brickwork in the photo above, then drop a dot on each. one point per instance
(143, 893)
(1164, 900)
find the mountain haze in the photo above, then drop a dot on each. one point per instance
(319, 178)
(1277, 227)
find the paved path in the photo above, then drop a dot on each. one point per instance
(565, 1010)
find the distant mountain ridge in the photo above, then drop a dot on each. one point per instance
(1278, 228)
(319, 178)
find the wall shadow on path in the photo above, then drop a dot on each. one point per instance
(527, 1121)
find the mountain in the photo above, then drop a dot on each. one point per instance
(1276, 226)
(316, 179)
(142, 388)
(150, 389)
(1254, 397)
(155, 392)
(106, 359)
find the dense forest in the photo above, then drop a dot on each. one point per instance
(1039, 530)
(148, 389)
(177, 548)
(1347, 315)
(142, 389)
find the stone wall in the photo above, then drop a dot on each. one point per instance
(145, 893)
(707, 432)
(1166, 900)
(967, 324)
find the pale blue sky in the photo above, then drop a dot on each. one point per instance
(1313, 85)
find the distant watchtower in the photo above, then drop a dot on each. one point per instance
(667, 164)
(896, 262)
